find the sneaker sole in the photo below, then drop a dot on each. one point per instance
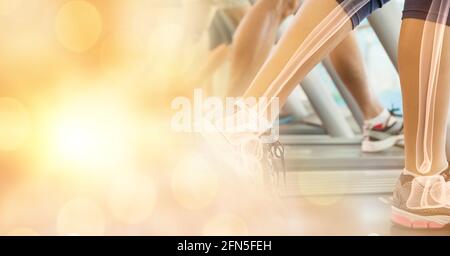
(415, 221)
(377, 146)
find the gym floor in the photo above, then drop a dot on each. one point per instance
(359, 215)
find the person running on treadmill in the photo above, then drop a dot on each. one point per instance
(251, 45)
(421, 195)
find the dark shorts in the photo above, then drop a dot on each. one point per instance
(416, 9)
(365, 11)
(420, 9)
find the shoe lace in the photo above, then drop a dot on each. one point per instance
(395, 111)
(429, 192)
(277, 152)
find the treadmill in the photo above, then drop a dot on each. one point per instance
(327, 160)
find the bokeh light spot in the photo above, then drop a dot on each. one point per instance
(81, 216)
(78, 25)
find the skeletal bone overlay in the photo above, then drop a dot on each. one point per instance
(430, 60)
(432, 45)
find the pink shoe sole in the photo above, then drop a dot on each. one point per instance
(401, 219)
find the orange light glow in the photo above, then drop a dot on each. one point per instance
(85, 122)
(78, 25)
(8, 6)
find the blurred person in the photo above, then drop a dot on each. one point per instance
(420, 198)
(255, 37)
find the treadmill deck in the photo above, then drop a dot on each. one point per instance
(320, 165)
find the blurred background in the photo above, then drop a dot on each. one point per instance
(85, 140)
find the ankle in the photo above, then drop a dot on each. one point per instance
(376, 117)
(435, 169)
(368, 115)
(371, 110)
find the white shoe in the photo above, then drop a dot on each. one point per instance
(383, 136)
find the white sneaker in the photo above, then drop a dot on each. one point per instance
(382, 136)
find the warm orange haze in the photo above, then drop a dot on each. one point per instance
(85, 141)
(224, 117)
